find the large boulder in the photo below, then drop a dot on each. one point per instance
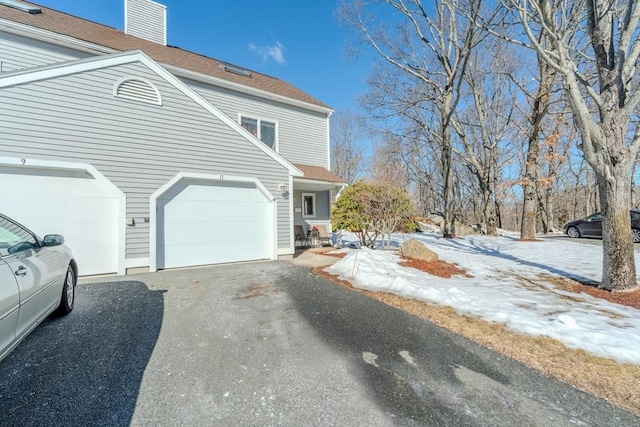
(413, 249)
(464, 230)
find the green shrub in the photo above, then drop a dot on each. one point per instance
(371, 209)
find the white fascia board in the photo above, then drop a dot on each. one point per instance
(73, 43)
(329, 140)
(317, 181)
(59, 69)
(90, 64)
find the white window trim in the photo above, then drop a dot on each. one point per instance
(315, 207)
(259, 120)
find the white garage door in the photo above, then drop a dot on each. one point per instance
(202, 222)
(71, 203)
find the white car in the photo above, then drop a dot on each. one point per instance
(37, 278)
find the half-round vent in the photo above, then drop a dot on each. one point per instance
(137, 89)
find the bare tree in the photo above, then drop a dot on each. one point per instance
(388, 164)
(432, 46)
(346, 155)
(540, 107)
(482, 126)
(603, 94)
(554, 154)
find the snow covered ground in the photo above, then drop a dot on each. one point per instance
(506, 287)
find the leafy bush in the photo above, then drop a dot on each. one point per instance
(371, 209)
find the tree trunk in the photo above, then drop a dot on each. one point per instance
(449, 211)
(489, 212)
(549, 206)
(635, 201)
(448, 229)
(619, 270)
(539, 110)
(543, 213)
(528, 222)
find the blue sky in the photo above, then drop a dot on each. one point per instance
(298, 41)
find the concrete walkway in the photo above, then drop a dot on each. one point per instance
(314, 257)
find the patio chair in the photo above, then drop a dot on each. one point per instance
(300, 236)
(323, 234)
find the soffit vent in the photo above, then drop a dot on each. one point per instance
(137, 89)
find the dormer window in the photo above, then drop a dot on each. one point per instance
(264, 130)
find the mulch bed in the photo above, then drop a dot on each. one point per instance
(437, 268)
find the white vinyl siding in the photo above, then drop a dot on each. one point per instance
(146, 19)
(17, 53)
(301, 134)
(137, 146)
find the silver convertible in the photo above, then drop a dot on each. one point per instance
(37, 278)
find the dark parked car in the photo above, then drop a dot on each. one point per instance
(37, 278)
(591, 226)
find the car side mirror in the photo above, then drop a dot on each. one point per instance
(52, 240)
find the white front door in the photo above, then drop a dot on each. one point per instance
(71, 203)
(203, 222)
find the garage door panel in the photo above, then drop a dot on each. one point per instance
(198, 232)
(202, 211)
(70, 203)
(78, 212)
(212, 222)
(179, 256)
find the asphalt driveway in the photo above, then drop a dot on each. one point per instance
(267, 344)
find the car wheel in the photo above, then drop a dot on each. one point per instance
(636, 235)
(573, 232)
(68, 293)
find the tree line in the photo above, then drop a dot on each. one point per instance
(516, 114)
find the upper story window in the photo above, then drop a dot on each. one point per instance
(264, 130)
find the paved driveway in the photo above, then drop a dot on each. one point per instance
(267, 344)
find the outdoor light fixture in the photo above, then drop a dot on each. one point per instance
(283, 189)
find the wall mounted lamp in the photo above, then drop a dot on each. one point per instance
(284, 190)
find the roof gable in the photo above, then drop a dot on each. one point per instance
(94, 63)
(111, 38)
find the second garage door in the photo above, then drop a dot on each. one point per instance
(203, 222)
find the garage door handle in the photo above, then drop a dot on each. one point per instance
(21, 271)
